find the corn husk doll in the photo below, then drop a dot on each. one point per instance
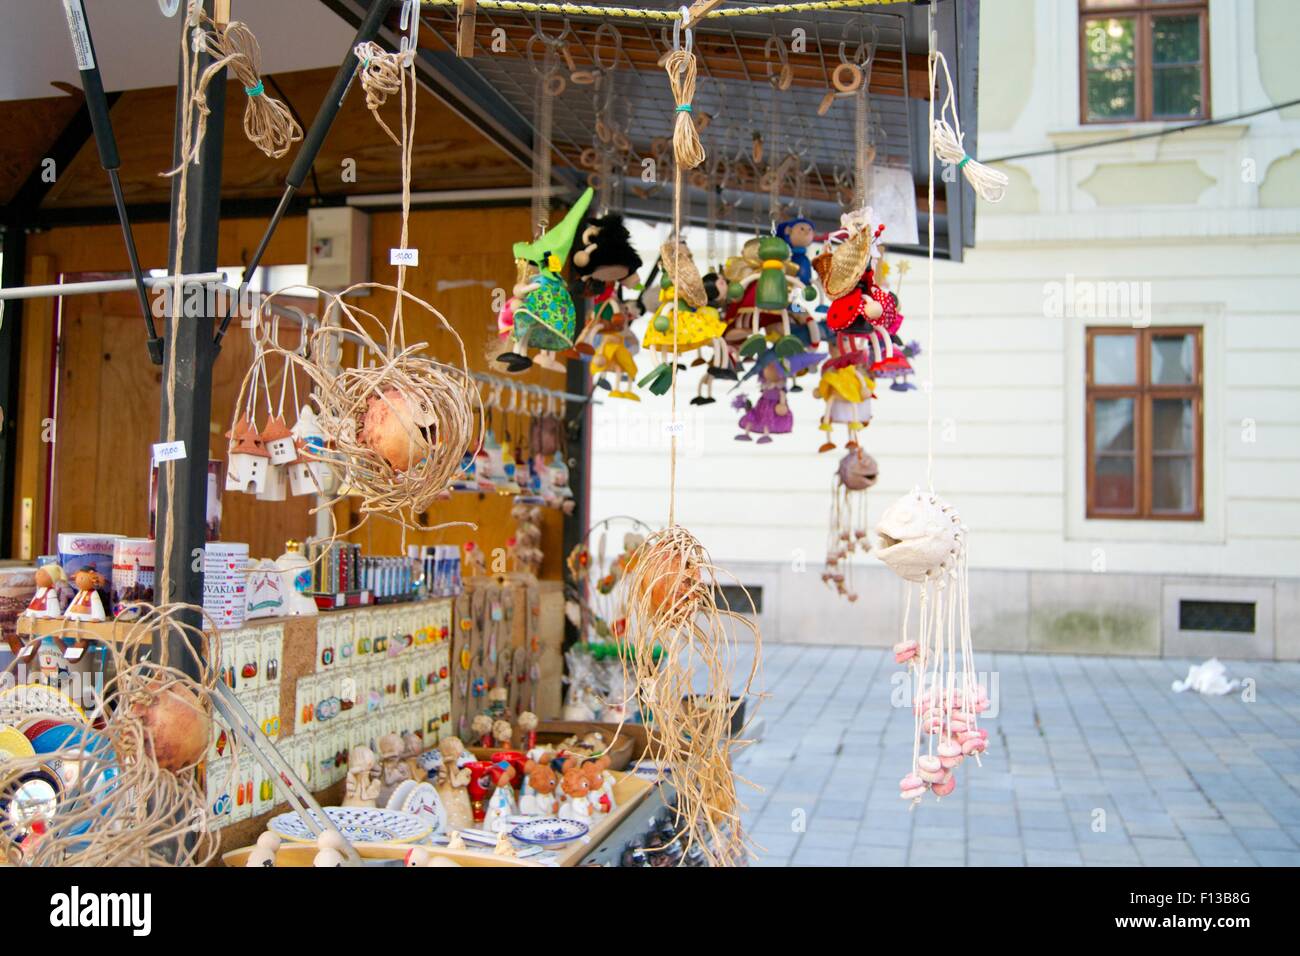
(540, 315)
(684, 321)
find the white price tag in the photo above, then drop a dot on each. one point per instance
(403, 257)
(168, 451)
(675, 429)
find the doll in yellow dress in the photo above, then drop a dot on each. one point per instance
(847, 393)
(681, 298)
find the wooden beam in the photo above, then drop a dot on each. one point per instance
(465, 17)
(700, 9)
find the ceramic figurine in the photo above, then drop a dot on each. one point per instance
(308, 475)
(481, 727)
(576, 786)
(263, 591)
(600, 785)
(87, 605)
(363, 785)
(527, 722)
(501, 804)
(295, 577)
(455, 841)
(451, 784)
(502, 733)
(538, 796)
(45, 603)
(247, 462)
(504, 847)
(413, 746)
(393, 769)
(277, 439)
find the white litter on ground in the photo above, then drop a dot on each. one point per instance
(1209, 678)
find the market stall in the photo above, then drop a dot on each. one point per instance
(398, 685)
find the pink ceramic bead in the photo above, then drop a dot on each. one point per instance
(945, 788)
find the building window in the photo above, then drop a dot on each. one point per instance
(1143, 60)
(1144, 423)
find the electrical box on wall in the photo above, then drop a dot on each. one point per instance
(338, 247)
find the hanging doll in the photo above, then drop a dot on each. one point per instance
(45, 602)
(857, 471)
(798, 234)
(771, 414)
(87, 605)
(684, 321)
(763, 282)
(723, 358)
(847, 393)
(540, 314)
(605, 263)
(857, 314)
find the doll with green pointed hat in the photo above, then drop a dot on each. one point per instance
(541, 310)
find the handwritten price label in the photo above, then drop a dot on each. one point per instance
(168, 451)
(675, 429)
(403, 257)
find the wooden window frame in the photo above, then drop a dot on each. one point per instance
(1142, 12)
(1144, 394)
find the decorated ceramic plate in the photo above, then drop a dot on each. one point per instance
(545, 831)
(423, 801)
(31, 700)
(358, 824)
(14, 743)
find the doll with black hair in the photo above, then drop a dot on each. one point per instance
(604, 264)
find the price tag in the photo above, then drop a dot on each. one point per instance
(403, 257)
(168, 451)
(674, 429)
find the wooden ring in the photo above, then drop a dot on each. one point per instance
(824, 106)
(582, 77)
(589, 159)
(555, 85)
(621, 141)
(852, 83)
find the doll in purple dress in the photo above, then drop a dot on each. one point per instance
(771, 415)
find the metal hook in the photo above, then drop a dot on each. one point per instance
(410, 25)
(683, 23)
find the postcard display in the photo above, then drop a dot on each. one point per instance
(318, 686)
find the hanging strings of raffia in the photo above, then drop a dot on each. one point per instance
(398, 421)
(682, 637)
(134, 797)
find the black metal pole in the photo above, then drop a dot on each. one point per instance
(188, 358)
(92, 84)
(577, 381)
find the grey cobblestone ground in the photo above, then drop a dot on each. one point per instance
(1093, 762)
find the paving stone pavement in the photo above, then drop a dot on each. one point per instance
(1093, 761)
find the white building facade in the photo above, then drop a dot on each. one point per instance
(1116, 364)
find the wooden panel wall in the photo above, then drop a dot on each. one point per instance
(109, 393)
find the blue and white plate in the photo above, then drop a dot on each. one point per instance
(547, 831)
(357, 824)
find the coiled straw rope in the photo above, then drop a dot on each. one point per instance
(268, 124)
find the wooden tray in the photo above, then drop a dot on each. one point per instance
(630, 744)
(301, 854)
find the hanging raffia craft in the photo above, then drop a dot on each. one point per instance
(682, 637)
(848, 534)
(922, 539)
(130, 794)
(397, 421)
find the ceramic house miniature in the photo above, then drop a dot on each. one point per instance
(307, 475)
(278, 441)
(247, 464)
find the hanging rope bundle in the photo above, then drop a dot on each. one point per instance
(687, 148)
(268, 123)
(681, 648)
(132, 795)
(989, 184)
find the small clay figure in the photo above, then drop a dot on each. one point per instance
(87, 605)
(46, 602)
(501, 804)
(393, 769)
(576, 786)
(362, 788)
(502, 734)
(538, 796)
(527, 722)
(451, 784)
(600, 785)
